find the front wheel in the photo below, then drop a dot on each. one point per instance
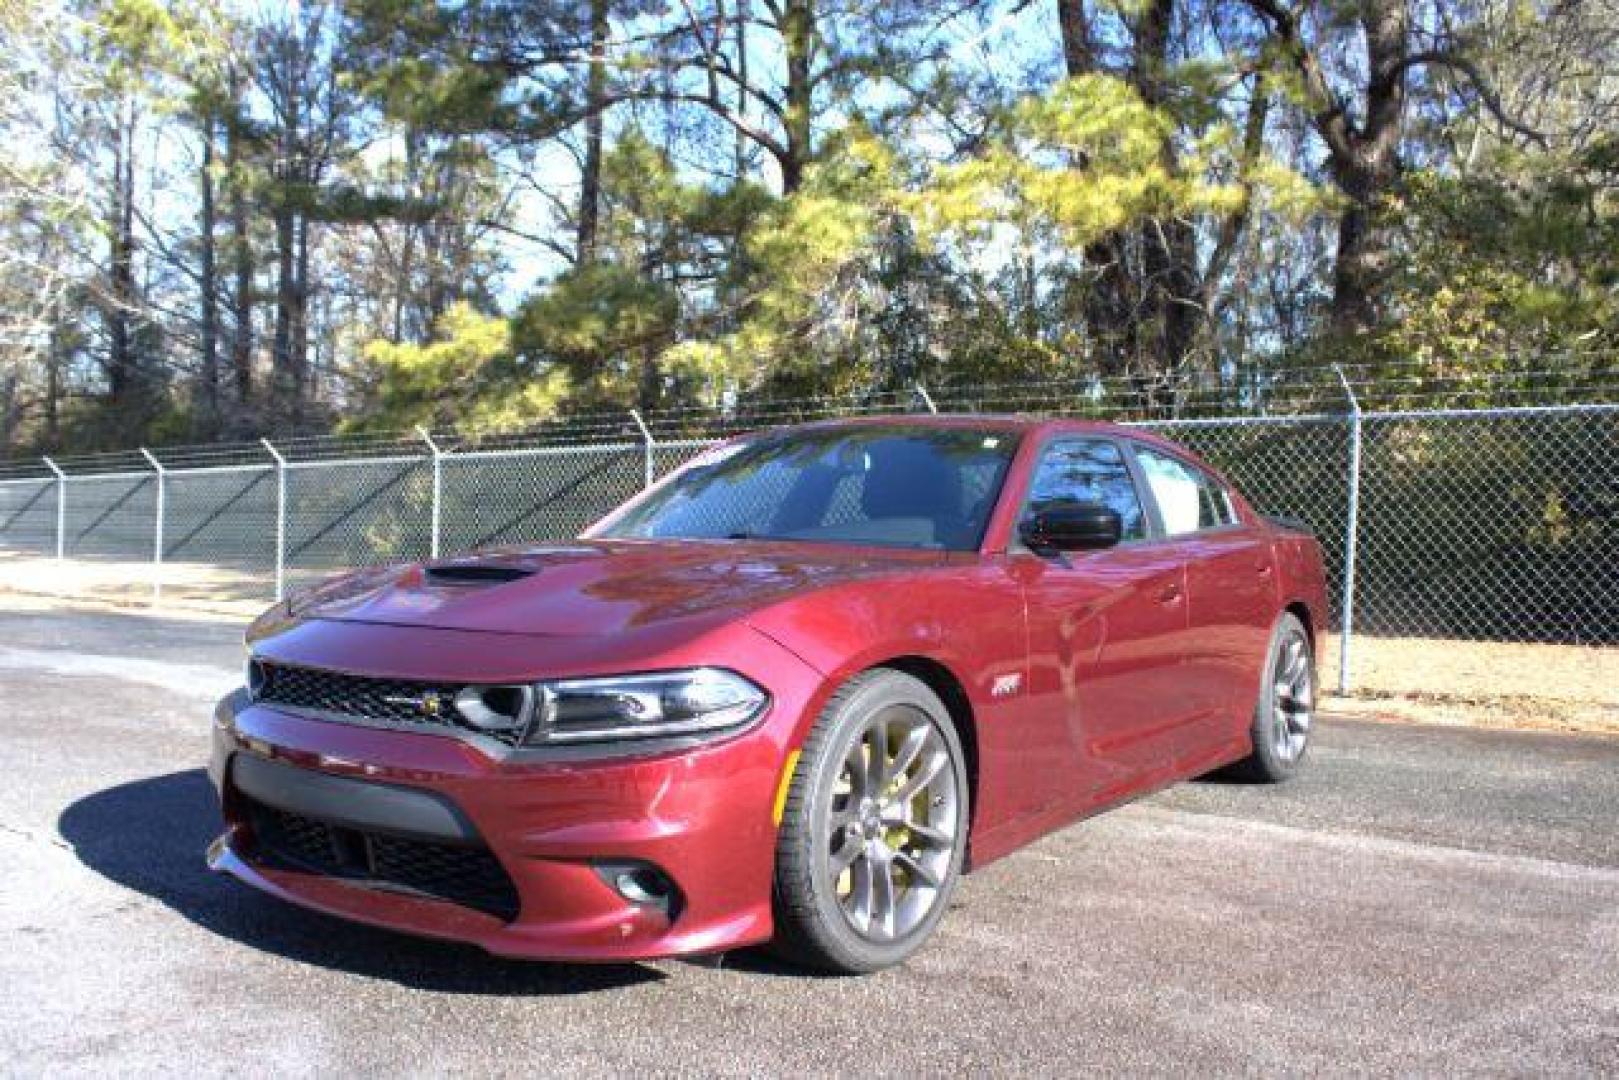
(874, 827)
(1285, 711)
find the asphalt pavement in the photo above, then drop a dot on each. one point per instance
(1422, 900)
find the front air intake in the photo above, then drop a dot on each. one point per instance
(467, 874)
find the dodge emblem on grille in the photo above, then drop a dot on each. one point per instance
(428, 704)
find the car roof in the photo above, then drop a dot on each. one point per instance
(1018, 422)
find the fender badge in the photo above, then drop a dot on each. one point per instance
(1006, 685)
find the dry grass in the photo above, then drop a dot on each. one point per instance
(1480, 683)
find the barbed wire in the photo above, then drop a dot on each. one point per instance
(1405, 383)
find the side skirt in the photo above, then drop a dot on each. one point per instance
(997, 843)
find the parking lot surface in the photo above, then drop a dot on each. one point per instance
(1422, 900)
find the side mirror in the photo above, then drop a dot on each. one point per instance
(1072, 527)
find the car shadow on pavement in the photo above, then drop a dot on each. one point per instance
(149, 835)
(1228, 776)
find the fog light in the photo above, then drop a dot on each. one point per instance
(643, 885)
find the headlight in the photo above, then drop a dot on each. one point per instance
(672, 703)
(255, 677)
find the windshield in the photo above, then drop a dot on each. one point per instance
(897, 486)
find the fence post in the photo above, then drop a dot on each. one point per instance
(157, 531)
(280, 519)
(1351, 535)
(61, 508)
(438, 487)
(927, 398)
(648, 449)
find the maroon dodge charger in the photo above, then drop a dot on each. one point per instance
(787, 695)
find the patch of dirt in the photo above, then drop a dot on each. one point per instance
(1526, 685)
(190, 589)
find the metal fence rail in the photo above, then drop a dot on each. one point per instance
(1497, 524)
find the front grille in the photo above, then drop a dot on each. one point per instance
(396, 700)
(468, 875)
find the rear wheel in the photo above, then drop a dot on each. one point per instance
(874, 827)
(1285, 712)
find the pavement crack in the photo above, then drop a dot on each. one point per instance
(33, 836)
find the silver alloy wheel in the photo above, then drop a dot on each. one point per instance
(893, 824)
(1294, 697)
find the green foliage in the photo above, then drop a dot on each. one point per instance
(805, 256)
(134, 38)
(1519, 259)
(437, 211)
(595, 321)
(468, 376)
(608, 321)
(1083, 161)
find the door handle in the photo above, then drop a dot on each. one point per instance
(1170, 594)
(1264, 569)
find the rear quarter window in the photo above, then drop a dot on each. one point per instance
(1189, 499)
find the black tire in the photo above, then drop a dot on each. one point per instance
(1270, 763)
(813, 928)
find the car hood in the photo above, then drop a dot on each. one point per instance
(591, 587)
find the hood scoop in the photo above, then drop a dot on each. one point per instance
(471, 575)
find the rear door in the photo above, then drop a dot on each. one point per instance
(1106, 628)
(1230, 589)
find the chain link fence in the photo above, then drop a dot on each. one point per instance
(1491, 526)
(28, 515)
(1496, 525)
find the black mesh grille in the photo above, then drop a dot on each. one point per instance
(398, 700)
(392, 701)
(298, 839)
(467, 875)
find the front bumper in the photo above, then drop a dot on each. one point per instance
(702, 817)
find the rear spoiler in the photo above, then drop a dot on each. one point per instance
(1290, 523)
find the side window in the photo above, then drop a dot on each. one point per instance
(1088, 470)
(1188, 498)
